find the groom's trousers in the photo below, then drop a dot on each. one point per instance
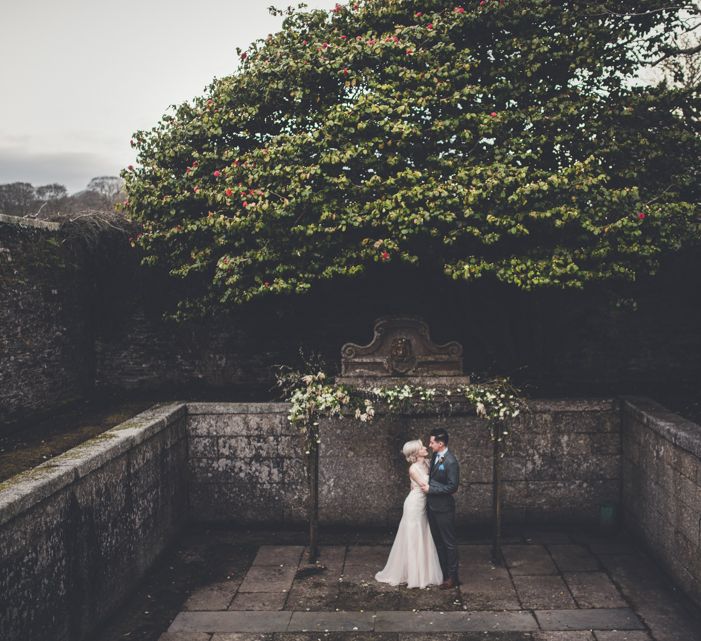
(443, 532)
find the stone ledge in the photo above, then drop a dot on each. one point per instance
(20, 221)
(538, 405)
(573, 405)
(682, 432)
(237, 408)
(21, 492)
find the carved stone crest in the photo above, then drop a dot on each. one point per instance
(401, 347)
(401, 359)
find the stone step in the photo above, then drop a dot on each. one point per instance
(403, 621)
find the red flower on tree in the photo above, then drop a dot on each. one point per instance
(216, 173)
(641, 215)
(385, 256)
(228, 192)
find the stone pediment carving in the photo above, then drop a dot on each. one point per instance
(402, 348)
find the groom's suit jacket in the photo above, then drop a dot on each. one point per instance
(443, 483)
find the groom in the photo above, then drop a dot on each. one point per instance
(444, 477)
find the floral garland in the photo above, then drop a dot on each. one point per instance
(313, 397)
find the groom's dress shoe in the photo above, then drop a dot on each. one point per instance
(448, 584)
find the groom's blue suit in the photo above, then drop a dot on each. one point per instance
(444, 478)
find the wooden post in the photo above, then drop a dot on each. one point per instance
(496, 494)
(313, 496)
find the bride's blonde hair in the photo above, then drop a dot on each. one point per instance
(411, 450)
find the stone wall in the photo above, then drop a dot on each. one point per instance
(78, 321)
(79, 531)
(246, 463)
(662, 487)
(46, 342)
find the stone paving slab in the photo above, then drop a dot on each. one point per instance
(332, 621)
(368, 554)
(591, 619)
(573, 558)
(216, 596)
(528, 559)
(493, 591)
(367, 597)
(332, 557)
(475, 557)
(399, 636)
(429, 599)
(265, 622)
(457, 636)
(313, 597)
(617, 635)
(541, 592)
(259, 601)
(454, 621)
(569, 635)
(543, 535)
(594, 590)
(185, 636)
(231, 622)
(269, 578)
(279, 555)
(242, 636)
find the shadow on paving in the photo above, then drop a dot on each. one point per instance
(222, 584)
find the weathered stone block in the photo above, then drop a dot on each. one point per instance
(217, 425)
(204, 447)
(241, 502)
(688, 465)
(476, 469)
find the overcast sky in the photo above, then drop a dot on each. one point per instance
(78, 77)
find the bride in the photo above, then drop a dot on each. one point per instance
(413, 558)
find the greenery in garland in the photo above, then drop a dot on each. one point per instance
(499, 138)
(314, 397)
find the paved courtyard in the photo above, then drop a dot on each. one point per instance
(556, 586)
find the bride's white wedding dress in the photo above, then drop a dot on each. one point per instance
(413, 558)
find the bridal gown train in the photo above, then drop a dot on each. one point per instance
(413, 558)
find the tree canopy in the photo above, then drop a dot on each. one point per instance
(495, 138)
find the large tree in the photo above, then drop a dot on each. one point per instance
(495, 138)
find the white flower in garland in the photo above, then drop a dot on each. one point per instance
(317, 399)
